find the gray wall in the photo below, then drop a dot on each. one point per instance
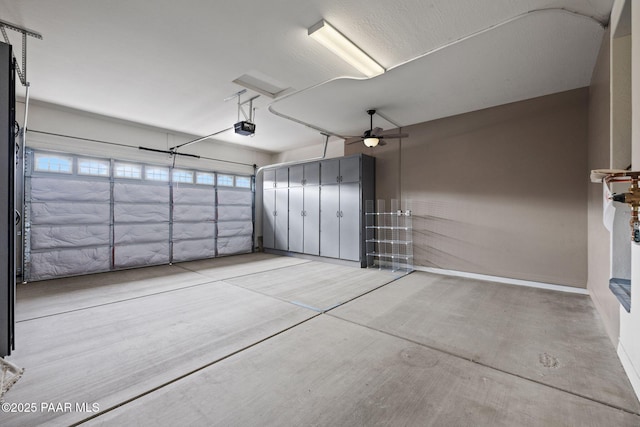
(599, 158)
(500, 191)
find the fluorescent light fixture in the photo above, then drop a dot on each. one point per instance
(333, 40)
(371, 142)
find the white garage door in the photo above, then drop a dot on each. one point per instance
(87, 215)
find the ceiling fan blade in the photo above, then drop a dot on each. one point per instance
(376, 131)
(354, 141)
(394, 135)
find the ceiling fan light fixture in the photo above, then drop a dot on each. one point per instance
(371, 142)
(336, 42)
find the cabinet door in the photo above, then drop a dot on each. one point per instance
(268, 218)
(350, 169)
(329, 171)
(330, 221)
(312, 220)
(269, 179)
(350, 222)
(296, 175)
(282, 177)
(296, 219)
(282, 218)
(312, 173)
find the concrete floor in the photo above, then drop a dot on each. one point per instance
(261, 340)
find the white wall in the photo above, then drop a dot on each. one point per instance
(629, 343)
(44, 117)
(598, 157)
(620, 102)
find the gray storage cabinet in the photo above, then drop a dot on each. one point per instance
(324, 207)
(304, 208)
(275, 229)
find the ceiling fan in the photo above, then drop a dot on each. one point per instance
(373, 136)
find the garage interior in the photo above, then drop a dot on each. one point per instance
(220, 221)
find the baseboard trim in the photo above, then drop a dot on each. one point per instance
(629, 369)
(506, 280)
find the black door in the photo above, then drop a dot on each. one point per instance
(7, 201)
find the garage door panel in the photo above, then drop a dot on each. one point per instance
(61, 263)
(235, 197)
(55, 188)
(50, 237)
(139, 193)
(193, 249)
(231, 213)
(126, 212)
(140, 233)
(235, 228)
(199, 213)
(69, 213)
(194, 195)
(234, 245)
(194, 231)
(141, 254)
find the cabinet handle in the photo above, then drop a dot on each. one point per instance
(275, 213)
(340, 214)
(301, 213)
(337, 214)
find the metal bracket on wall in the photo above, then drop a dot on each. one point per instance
(22, 72)
(631, 197)
(251, 116)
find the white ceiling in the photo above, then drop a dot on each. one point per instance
(171, 64)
